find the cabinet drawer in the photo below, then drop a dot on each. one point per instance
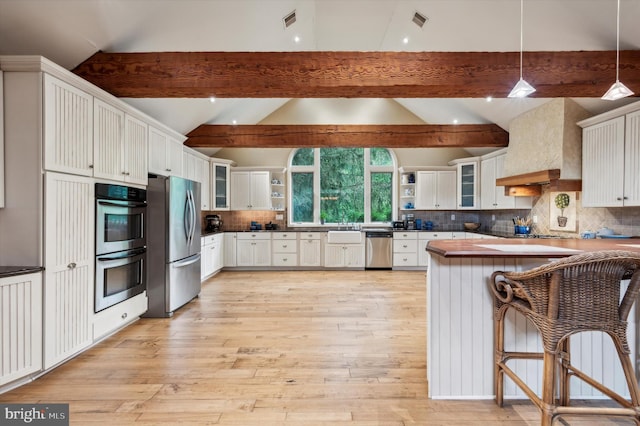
(310, 235)
(405, 235)
(405, 259)
(111, 319)
(254, 235)
(283, 235)
(435, 235)
(208, 239)
(285, 259)
(284, 246)
(405, 246)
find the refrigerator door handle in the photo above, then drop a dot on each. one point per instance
(187, 218)
(193, 216)
(186, 262)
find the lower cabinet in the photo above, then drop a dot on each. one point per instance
(405, 249)
(344, 256)
(20, 326)
(285, 249)
(310, 254)
(230, 243)
(117, 316)
(253, 249)
(212, 252)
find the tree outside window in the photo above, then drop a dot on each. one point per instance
(342, 185)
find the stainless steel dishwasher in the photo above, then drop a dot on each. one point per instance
(379, 250)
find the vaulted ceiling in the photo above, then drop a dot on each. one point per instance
(71, 31)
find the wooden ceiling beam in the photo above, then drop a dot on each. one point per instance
(356, 74)
(387, 136)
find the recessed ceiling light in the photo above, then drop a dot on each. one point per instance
(296, 39)
(234, 122)
(489, 98)
(405, 40)
(212, 99)
(455, 121)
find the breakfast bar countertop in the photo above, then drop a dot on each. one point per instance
(528, 247)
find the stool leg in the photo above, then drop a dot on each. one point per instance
(630, 376)
(563, 373)
(498, 331)
(548, 388)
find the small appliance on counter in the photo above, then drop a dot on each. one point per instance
(398, 224)
(410, 223)
(270, 226)
(214, 223)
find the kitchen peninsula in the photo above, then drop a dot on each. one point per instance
(460, 318)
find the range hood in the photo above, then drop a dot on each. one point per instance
(530, 184)
(545, 149)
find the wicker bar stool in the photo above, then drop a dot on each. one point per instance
(568, 296)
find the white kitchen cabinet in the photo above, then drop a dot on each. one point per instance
(1, 142)
(68, 128)
(344, 255)
(250, 190)
(20, 326)
(491, 196)
(165, 153)
(69, 266)
(405, 249)
(212, 252)
(611, 162)
(310, 249)
(253, 249)
(221, 182)
(423, 240)
(120, 145)
(284, 249)
(278, 191)
(467, 188)
(230, 246)
(436, 190)
(196, 168)
(117, 316)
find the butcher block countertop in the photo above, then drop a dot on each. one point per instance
(530, 247)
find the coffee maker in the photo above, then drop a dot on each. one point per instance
(214, 223)
(409, 222)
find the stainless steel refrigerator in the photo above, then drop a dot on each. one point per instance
(173, 243)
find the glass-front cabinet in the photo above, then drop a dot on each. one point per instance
(220, 188)
(467, 184)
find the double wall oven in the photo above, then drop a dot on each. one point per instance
(121, 244)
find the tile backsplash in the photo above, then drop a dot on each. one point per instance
(241, 220)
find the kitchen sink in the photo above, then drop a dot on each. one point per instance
(344, 237)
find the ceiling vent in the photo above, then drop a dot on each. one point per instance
(419, 19)
(289, 19)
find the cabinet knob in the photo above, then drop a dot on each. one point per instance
(91, 166)
(619, 198)
(285, 259)
(72, 265)
(284, 246)
(124, 316)
(167, 170)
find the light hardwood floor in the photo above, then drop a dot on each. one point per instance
(273, 348)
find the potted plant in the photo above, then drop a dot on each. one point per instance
(562, 202)
(323, 217)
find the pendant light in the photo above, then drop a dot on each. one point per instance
(522, 89)
(617, 89)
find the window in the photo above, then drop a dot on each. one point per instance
(342, 185)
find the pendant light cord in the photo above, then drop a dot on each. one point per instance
(618, 43)
(521, 37)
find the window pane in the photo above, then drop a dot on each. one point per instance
(302, 192)
(380, 157)
(303, 157)
(381, 196)
(342, 184)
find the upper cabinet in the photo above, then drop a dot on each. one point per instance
(467, 183)
(492, 196)
(195, 166)
(68, 128)
(436, 190)
(251, 190)
(220, 185)
(165, 153)
(611, 162)
(120, 145)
